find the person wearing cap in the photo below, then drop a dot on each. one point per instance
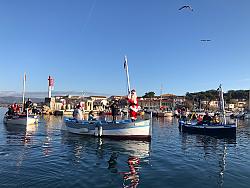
(133, 105)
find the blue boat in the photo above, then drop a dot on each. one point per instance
(218, 130)
(221, 129)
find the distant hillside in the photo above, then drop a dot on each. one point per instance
(10, 100)
(9, 97)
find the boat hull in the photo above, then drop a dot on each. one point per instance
(219, 130)
(21, 120)
(121, 130)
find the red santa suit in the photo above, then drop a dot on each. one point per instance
(133, 105)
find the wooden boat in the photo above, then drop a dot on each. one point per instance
(221, 129)
(126, 129)
(20, 119)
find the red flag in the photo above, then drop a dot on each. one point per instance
(51, 81)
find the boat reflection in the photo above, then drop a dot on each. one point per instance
(19, 133)
(217, 148)
(123, 158)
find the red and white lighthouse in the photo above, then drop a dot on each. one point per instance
(51, 86)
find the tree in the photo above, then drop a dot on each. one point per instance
(149, 94)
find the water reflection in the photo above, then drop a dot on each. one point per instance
(51, 124)
(19, 136)
(113, 162)
(122, 158)
(20, 133)
(131, 178)
(213, 149)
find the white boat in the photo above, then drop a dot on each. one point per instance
(20, 119)
(139, 129)
(123, 129)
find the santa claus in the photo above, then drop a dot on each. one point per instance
(133, 105)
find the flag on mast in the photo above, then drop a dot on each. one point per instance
(24, 78)
(125, 63)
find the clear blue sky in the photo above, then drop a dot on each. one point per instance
(81, 43)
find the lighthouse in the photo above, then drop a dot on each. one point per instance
(51, 86)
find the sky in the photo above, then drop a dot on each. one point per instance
(82, 43)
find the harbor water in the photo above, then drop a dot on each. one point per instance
(45, 155)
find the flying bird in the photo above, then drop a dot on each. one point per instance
(205, 40)
(187, 7)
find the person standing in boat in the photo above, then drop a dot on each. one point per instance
(133, 105)
(28, 105)
(114, 110)
(77, 114)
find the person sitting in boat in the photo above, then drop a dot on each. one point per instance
(133, 105)
(10, 111)
(206, 119)
(16, 108)
(216, 119)
(199, 119)
(193, 117)
(77, 113)
(183, 114)
(91, 116)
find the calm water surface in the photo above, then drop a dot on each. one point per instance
(44, 155)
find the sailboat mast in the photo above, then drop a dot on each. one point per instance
(24, 85)
(249, 102)
(161, 97)
(127, 75)
(222, 105)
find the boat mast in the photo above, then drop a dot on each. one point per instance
(24, 84)
(161, 97)
(127, 75)
(249, 102)
(222, 104)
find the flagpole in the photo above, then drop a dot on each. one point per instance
(24, 83)
(127, 74)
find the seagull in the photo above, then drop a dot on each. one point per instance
(186, 6)
(205, 40)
